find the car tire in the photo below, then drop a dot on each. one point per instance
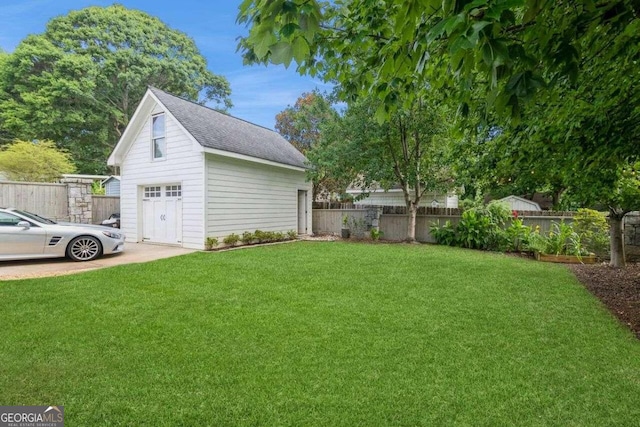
(84, 248)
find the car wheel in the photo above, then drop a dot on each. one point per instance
(84, 248)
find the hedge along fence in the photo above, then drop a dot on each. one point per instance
(394, 220)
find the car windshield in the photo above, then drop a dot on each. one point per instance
(34, 217)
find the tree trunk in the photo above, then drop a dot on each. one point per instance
(616, 217)
(411, 229)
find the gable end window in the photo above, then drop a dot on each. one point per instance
(158, 140)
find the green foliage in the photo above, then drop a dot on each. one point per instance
(231, 239)
(473, 230)
(292, 235)
(79, 82)
(509, 50)
(593, 229)
(376, 234)
(560, 240)
(97, 188)
(480, 227)
(302, 125)
(260, 236)
(410, 150)
(210, 243)
(38, 161)
(248, 237)
(518, 236)
(445, 235)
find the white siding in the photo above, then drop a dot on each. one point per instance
(112, 188)
(247, 196)
(519, 204)
(183, 165)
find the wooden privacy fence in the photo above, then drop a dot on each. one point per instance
(103, 207)
(48, 200)
(394, 226)
(69, 201)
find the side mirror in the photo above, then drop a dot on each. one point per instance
(24, 224)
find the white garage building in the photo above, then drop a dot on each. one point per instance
(188, 172)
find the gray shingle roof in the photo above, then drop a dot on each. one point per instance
(220, 131)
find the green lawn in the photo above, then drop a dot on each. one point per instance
(319, 333)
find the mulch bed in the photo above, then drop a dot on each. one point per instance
(618, 289)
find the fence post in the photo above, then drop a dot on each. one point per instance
(79, 199)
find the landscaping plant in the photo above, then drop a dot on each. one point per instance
(231, 239)
(561, 240)
(248, 237)
(210, 243)
(593, 229)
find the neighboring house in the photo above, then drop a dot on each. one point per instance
(188, 172)
(516, 203)
(111, 186)
(395, 197)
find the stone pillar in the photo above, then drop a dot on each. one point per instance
(79, 198)
(632, 236)
(372, 217)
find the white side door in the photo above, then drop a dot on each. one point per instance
(302, 212)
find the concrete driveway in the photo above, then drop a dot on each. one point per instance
(133, 253)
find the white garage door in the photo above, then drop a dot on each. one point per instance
(162, 213)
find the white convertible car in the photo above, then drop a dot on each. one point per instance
(24, 235)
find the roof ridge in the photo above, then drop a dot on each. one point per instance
(152, 88)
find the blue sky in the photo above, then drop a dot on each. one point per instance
(258, 92)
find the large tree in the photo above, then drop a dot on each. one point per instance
(411, 150)
(79, 82)
(506, 59)
(35, 161)
(385, 47)
(301, 125)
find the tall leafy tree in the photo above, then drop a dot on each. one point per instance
(79, 82)
(382, 48)
(301, 125)
(569, 68)
(411, 150)
(34, 161)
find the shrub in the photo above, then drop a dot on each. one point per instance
(473, 230)
(210, 243)
(480, 227)
(561, 240)
(518, 235)
(247, 237)
(260, 236)
(292, 235)
(445, 235)
(593, 229)
(231, 239)
(376, 234)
